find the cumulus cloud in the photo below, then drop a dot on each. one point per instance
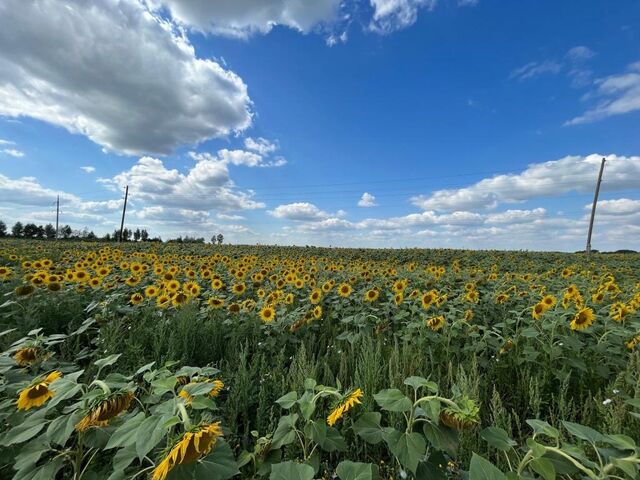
(88, 169)
(27, 191)
(613, 95)
(571, 173)
(242, 18)
(620, 206)
(240, 157)
(260, 145)
(111, 70)
(206, 186)
(391, 15)
(367, 200)
(303, 212)
(580, 53)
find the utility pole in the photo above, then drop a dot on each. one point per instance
(57, 214)
(593, 208)
(124, 209)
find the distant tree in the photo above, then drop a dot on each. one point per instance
(17, 230)
(66, 231)
(136, 235)
(213, 240)
(107, 237)
(3, 229)
(91, 236)
(49, 231)
(30, 230)
(144, 235)
(126, 235)
(220, 238)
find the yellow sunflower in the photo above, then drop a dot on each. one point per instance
(267, 314)
(582, 319)
(343, 407)
(37, 394)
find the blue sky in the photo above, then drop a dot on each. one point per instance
(443, 123)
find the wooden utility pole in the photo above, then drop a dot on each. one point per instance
(593, 208)
(124, 209)
(57, 214)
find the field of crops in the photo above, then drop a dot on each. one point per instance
(211, 362)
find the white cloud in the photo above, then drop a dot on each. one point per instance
(204, 187)
(242, 18)
(239, 157)
(580, 53)
(468, 3)
(615, 95)
(88, 169)
(27, 191)
(6, 142)
(114, 72)
(571, 173)
(225, 216)
(260, 145)
(13, 152)
(299, 211)
(367, 200)
(535, 69)
(391, 15)
(620, 206)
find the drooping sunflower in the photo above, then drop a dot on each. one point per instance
(163, 301)
(37, 394)
(582, 319)
(215, 302)
(218, 385)
(179, 299)
(502, 298)
(429, 299)
(352, 399)
(136, 298)
(267, 314)
(24, 290)
(27, 356)
(436, 323)
(105, 410)
(618, 311)
(344, 290)
(193, 445)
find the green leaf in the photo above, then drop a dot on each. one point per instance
(126, 433)
(393, 400)
(368, 427)
(498, 438)
(164, 385)
(544, 468)
(23, 432)
(419, 382)
(540, 427)
(583, 432)
(218, 465)
(30, 454)
(348, 470)
(285, 433)
(481, 469)
(106, 361)
(123, 458)
(441, 437)
(623, 442)
(628, 467)
(291, 471)
(287, 401)
(409, 448)
(149, 433)
(537, 450)
(61, 428)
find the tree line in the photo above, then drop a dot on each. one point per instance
(48, 231)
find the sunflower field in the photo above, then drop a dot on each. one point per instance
(160, 361)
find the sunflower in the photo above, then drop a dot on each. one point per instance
(37, 394)
(172, 286)
(163, 301)
(267, 314)
(214, 392)
(352, 399)
(27, 356)
(317, 312)
(216, 284)
(215, 302)
(238, 288)
(429, 299)
(234, 308)
(436, 323)
(582, 319)
(398, 298)
(179, 299)
(502, 298)
(191, 289)
(136, 299)
(193, 445)
(105, 410)
(549, 301)
(538, 310)
(508, 345)
(344, 290)
(472, 296)
(316, 296)
(618, 311)
(24, 290)
(468, 315)
(151, 291)
(371, 295)
(54, 287)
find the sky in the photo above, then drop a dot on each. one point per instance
(355, 123)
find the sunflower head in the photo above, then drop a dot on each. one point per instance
(106, 409)
(582, 319)
(465, 415)
(38, 393)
